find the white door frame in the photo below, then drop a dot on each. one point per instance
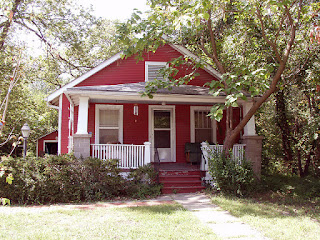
(172, 109)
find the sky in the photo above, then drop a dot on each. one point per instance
(115, 9)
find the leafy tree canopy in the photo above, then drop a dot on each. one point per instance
(251, 43)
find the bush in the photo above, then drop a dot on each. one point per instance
(143, 182)
(54, 179)
(231, 176)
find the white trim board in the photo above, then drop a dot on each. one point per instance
(84, 76)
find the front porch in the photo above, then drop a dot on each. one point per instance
(176, 177)
(133, 156)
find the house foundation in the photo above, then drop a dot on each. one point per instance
(253, 152)
(81, 145)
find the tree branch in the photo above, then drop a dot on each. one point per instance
(269, 42)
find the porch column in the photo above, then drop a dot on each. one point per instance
(83, 115)
(249, 128)
(253, 142)
(81, 145)
(253, 152)
(81, 140)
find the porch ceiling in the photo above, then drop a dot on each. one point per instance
(132, 93)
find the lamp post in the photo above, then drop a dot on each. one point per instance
(25, 134)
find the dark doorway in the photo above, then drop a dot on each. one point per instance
(51, 148)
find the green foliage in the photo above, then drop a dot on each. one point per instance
(230, 175)
(9, 178)
(64, 178)
(292, 189)
(143, 182)
(244, 40)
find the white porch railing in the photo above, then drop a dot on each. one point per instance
(238, 155)
(129, 155)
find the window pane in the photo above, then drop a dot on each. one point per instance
(109, 118)
(161, 119)
(203, 135)
(108, 136)
(202, 120)
(162, 138)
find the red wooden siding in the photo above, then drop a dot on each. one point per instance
(51, 136)
(182, 130)
(65, 125)
(221, 126)
(130, 71)
(136, 128)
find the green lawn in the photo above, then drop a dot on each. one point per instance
(276, 220)
(169, 221)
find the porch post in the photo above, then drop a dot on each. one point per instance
(205, 156)
(147, 152)
(81, 140)
(249, 128)
(83, 115)
(253, 142)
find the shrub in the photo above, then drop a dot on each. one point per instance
(143, 182)
(56, 179)
(231, 176)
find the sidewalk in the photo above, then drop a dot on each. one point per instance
(221, 222)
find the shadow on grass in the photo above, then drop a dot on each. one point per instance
(280, 197)
(159, 209)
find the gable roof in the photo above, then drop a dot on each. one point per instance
(116, 57)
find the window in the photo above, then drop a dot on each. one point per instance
(203, 128)
(152, 70)
(109, 124)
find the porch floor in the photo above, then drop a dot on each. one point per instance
(179, 167)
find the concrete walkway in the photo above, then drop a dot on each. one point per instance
(221, 222)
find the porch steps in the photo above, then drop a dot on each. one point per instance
(180, 181)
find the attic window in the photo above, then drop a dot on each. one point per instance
(152, 70)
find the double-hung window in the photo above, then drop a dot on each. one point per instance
(109, 124)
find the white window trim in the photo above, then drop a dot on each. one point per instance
(97, 116)
(147, 63)
(172, 124)
(48, 141)
(192, 123)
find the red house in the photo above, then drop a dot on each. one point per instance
(102, 114)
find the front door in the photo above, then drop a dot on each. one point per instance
(162, 132)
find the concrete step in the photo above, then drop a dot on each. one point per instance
(191, 189)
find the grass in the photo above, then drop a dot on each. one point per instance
(170, 221)
(288, 209)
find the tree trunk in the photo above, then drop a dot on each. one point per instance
(282, 122)
(7, 24)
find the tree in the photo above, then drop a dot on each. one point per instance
(67, 41)
(248, 42)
